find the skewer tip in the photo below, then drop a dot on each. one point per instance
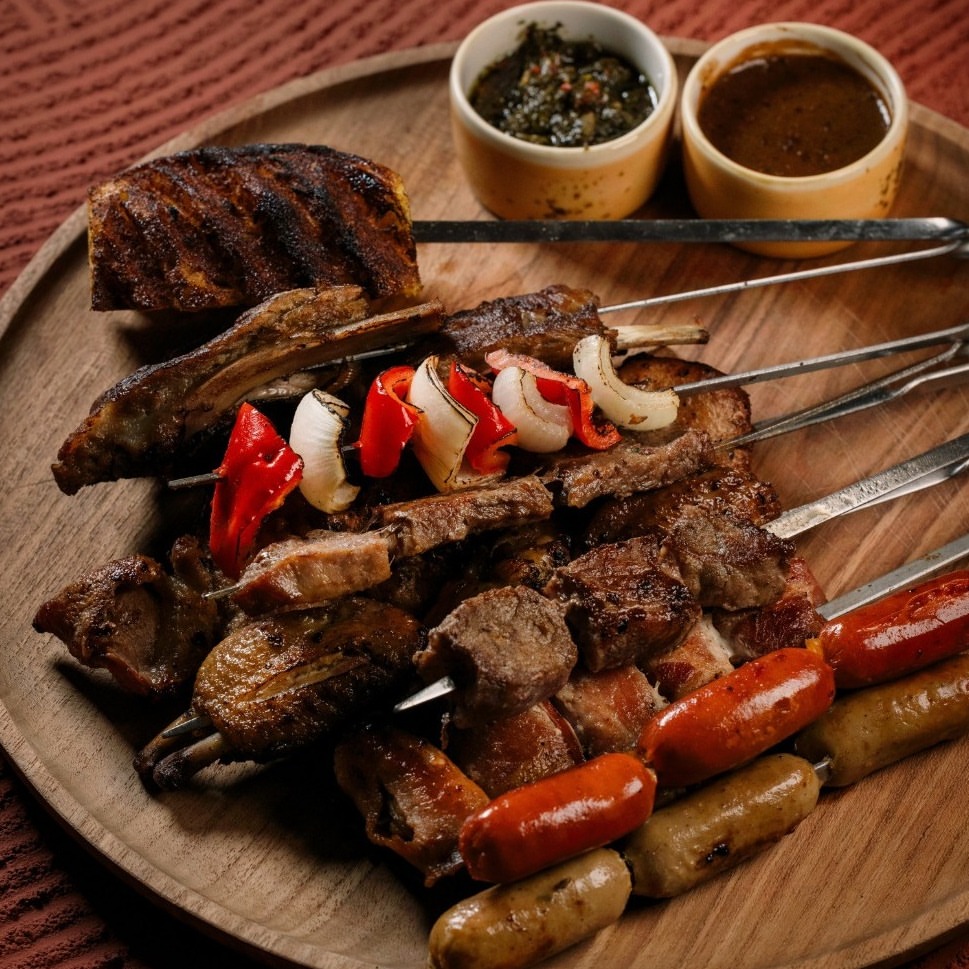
(438, 688)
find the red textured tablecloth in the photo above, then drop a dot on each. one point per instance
(88, 87)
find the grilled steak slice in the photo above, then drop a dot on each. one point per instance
(304, 572)
(787, 621)
(624, 602)
(150, 628)
(412, 797)
(506, 649)
(638, 462)
(726, 561)
(427, 523)
(215, 227)
(139, 425)
(505, 753)
(546, 324)
(716, 490)
(280, 683)
(609, 709)
(722, 414)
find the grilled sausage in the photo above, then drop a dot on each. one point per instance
(514, 926)
(898, 634)
(535, 826)
(719, 825)
(869, 729)
(733, 719)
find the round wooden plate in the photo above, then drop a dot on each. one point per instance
(271, 859)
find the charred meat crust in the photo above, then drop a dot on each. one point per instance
(217, 227)
(138, 426)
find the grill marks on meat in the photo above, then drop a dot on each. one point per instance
(217, 227)
(150, 628)
(624, 602)
(546, 324)
(412, 797)
(323, 566)
(506, 648)
(639, 462)
(430, 522)
(278, 684)
(139, 425)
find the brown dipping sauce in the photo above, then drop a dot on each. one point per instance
(793, 114)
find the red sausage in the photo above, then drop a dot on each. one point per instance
(731, 720)
(898, 634)
(560, 816)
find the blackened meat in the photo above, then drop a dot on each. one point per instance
(546, 324)
(506, 648)
(150, 628)
(219, 226)
(624, 602)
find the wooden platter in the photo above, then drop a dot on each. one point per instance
(271, 859)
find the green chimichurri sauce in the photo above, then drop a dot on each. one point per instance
(566, 93)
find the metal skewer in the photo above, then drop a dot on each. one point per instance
(923, 471)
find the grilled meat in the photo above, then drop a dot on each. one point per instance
(278, 684)
(510, 751)
(624, 602)
(139, 426)
(639, 462)
(430, 522)
(148, 626)
(506, 648)
(788, 620)
(702, 656)
(304, 572)
(215, 227)
(412, 797)
(716, 490)
(546, 325)
(723, 414)
(608, 709)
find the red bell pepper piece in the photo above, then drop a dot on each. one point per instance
(388, 422)
(257, 473)
(492, 431)
(562, 388)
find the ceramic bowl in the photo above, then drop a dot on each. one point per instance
(721, 188)
(517, 179)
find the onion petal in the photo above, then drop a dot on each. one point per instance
(316, 436)
(443, 431)
(543, 427)
(622, 403)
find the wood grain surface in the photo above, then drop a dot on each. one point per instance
(270, 859)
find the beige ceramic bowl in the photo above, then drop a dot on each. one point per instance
(520, 180)
(720, 188)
